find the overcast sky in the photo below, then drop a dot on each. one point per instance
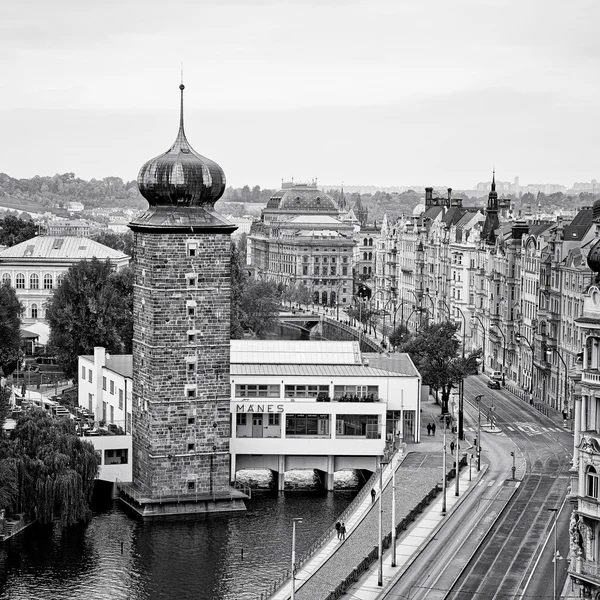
(429, 92)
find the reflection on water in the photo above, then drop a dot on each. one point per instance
(217, 558)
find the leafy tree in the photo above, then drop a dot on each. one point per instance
(435, 352)
(399, 336)
(117, 241)
(259, 306)
(47, 471)
(14, 231)
(10, 328)
(4, 408)
(238, 282)
(91, 307)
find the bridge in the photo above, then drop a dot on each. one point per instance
(329, 328)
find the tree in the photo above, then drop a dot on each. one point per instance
(259, 306)
(10, 328)
(435, 352)
(91, 307)
(49, 470)
(399, 336)
(238, 282)
(117, 241)
(14, 231)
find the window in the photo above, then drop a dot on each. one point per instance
(309, 425)
(34, 311)
(190, 308)
(104, 383)
(591, 482)
(191, 279)
(90, 375)
(191, 421)
(82, 372)
(191, 366)
(20, 281)
(356, 393)
(274, 420)
(48, 281)
(306, 391)
(358, 426)
(190, 392)
(6, 279)
(120, 399)
(191, 337)
(191, 486)
(241, 419)
(112, 387)
(34, 282)
(191, 447)
(191, 248)
(253, 390)
(116, 457)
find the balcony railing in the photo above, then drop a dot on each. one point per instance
(589, 508)
(591, 376)
(587, 569)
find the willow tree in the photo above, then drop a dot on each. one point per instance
(54, 469)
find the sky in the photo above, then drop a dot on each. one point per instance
(365, 92)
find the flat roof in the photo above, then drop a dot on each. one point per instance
(277, 352)
(312, 370)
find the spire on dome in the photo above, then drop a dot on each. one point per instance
(493, 174)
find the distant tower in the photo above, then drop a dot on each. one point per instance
(488, 233)
(361, 212)
(181, 308)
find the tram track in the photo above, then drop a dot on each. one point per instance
(501, 565)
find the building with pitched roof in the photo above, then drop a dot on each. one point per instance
(35, 267)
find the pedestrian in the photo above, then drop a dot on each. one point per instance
(343, 531)
(337, 528)
(428, 428)
(452, 447)
(373, 494)
(433, 429)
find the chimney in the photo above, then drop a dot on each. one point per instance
(428, 196)
(519, 229)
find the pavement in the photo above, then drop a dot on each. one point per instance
(418, 468)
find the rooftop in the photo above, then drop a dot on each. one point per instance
(61, 247)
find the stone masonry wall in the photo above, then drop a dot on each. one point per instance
(181, 363)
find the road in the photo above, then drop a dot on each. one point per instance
(488, 548)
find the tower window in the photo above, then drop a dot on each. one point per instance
(191, 447)
(191, 486)
(191, 420)
(191, 337)
(190, 391)
(190, 308)
(191, 280)
(192, 248)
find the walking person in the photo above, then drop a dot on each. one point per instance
(428, 429)
(373, 494)
(343, 531)
(452, 447)
(338, 526)
(433, 428)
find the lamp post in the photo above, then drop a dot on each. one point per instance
(456, 489)
(566, 404)
(555, 559)
(394, 511)
(444, 470)
(294, 521)
(382, 464)
(478, 400)
(483, 349)
(432, 306)
(503, 350)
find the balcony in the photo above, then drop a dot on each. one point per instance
(591, 376)
(587, 570)
(588, 507)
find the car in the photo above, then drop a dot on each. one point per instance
(496, 375)
(494, 384)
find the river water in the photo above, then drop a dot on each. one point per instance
(115, 557)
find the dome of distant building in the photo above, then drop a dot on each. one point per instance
(418, 210)
(181, 176)
(303, 198)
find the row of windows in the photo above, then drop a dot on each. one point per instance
(272, 390)
(34, 281)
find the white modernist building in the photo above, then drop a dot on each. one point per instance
(318, 405)
(294, 405)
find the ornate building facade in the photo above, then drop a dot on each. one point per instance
(302, 240)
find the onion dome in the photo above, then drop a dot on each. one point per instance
(596, 210)
(181, 177)
(593, 259)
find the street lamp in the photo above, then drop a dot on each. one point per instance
(565, 404)
(294, 521)
(478, 400)
(394, 511)
(382, 464)
(503, 349)
(557, 556)
(444, 470)
(483, 349)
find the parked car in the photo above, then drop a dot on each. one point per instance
(496, 375)
(494, 384)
